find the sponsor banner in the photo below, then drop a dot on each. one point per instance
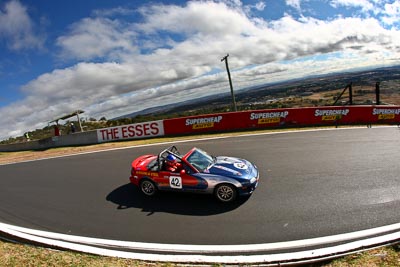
(331, 114)
(271, 117)
(308, 116)
(385, 113)
(204, 123)
(131, 131)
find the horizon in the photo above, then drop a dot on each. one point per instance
(114, 58)
(255, 87)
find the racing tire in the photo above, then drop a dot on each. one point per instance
(148, 188)
(225, 193)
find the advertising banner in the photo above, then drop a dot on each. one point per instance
(382, 114)
(204, 123)
(131, 131)
(308, 116)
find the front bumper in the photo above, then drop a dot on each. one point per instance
(248, 189)
(134, 179)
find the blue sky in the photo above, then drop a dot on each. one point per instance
(111, 58)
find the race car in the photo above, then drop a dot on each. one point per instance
(197, 172)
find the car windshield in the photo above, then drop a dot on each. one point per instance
(200, 159)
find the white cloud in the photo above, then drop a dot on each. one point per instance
(205, 18)
(386, 10)
(260, 6)
(169, 55)
(99, 37)
(365, 5)
(294, 3)
(391, 13)
(17, 29)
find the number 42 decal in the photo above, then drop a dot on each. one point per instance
(175, 182)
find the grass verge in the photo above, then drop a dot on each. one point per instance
(25, 255)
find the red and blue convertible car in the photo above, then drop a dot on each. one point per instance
(196, 171)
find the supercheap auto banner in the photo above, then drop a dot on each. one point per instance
(335, 115)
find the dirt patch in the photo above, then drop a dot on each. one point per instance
(13, 157)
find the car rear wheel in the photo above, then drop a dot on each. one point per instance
(148, 187)
(225, 192)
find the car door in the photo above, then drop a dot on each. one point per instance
(182, 180)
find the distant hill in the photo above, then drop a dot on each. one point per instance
(174, 106)
(264, 92)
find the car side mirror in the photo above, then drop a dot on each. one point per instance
(183, 172)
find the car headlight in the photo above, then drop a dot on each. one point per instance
(253, 180)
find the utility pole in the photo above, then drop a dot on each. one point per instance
(377, 93)
(225, 58)
(350, 93)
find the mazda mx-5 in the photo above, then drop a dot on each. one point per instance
(197, 172)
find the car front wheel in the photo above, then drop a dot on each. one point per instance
(225, 192)
(148, 187)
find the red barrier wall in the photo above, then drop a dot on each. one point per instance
(283, 117)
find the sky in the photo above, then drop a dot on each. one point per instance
(111, 58)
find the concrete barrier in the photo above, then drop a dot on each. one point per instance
(76, 139)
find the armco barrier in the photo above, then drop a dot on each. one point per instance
(223, 122)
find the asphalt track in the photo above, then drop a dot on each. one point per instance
(312, 184)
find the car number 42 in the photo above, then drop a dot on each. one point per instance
(175, 182)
